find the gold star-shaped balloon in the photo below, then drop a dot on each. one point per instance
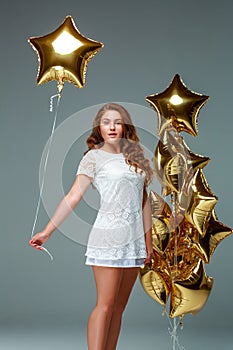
(155, 279)
(177, 107)
(216, 232)
(191, 239)
(162, 222)
(190, 295)
(199, 202)
(64, 54)
(175, 163)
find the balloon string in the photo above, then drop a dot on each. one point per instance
(174, 213)
(45, 165)
(173, 331)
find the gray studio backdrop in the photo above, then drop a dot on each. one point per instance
(146, 44)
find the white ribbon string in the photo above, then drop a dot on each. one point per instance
(173, 331)
(45, 166)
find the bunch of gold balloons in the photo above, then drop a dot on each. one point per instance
(186, 234)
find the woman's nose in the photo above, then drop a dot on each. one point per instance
(112, 126)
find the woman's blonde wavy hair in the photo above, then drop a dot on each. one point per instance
(130, 143)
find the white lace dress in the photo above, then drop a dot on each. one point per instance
(117, 237)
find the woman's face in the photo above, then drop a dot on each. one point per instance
(111, 126)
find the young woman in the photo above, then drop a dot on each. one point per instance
(120, 240)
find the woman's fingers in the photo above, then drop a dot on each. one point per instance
(149, 258)
(35, 245)
(38, 239)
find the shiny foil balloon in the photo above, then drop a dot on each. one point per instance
(192, 236)
(168, 167)
(175, 163)
(160, 209)
(64, 54)
(155, 279)
(182, 252)
(177, 107)
(215, 233)
(194, 162)
(190, 295)
(199, 203)
(162, 222)
(160, 235)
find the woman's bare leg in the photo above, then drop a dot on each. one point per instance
(129, 276)
(107, 281)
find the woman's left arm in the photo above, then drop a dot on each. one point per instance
(147, 222)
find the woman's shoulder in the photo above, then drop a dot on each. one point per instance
(91, 153)
(87, 164)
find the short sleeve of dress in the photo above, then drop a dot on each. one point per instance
(87, 165)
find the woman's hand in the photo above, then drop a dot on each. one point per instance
(150, 256)
(39, 239)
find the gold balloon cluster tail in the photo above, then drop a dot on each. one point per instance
(186, 233)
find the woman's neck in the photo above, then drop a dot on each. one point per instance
(111, 148)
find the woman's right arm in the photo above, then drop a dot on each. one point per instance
(66, 206)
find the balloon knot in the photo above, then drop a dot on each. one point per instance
(51, 101)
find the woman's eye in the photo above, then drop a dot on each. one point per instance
(106, 122)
